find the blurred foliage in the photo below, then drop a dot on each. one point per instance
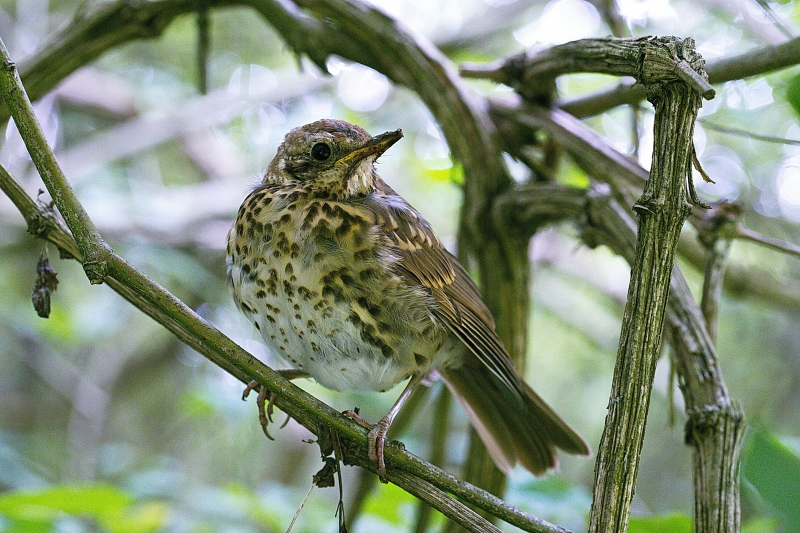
(773, 470)
(675, 523)
(793, 93)
(109, 508)
(107, 423)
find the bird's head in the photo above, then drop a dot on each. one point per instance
(331, 157)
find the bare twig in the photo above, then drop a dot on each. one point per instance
(747, 234)
(748, 134)
(203, 46)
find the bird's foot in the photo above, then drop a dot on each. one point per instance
(266, 399)
(376, 441)
(266, 405)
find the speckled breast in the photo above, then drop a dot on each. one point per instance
(316, 277)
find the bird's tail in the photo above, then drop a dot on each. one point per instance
(516, 425)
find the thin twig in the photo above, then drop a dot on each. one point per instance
(747, 234)
(748, 134)
(203, 46)
(775, 18)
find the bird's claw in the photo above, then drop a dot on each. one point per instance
(266, 406)
(376, 441)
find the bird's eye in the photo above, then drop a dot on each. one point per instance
(320, 151)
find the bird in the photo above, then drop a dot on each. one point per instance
(348, 283)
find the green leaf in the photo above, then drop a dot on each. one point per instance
(39, 510)
(774, 471)
(761, 525)
(793, 93)
(673, 523)
(388, 504)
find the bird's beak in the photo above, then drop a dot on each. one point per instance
(375, 146)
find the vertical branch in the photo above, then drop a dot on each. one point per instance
(716, 229)
(662, 210)
(716, 424)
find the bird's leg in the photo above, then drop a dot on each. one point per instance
(268, 397)
(376, 438)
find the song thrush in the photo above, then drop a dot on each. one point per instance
(348, 283)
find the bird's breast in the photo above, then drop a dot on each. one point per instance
(316, 279)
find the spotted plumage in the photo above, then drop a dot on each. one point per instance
(347, 282)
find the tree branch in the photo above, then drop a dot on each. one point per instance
(93, 249)
(626, 178)
(662, 209)
(758, 61)
(189, 327)
(532, 74)
(716, 424)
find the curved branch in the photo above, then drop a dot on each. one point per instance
(532, 74)
(626, 177)
(758, 61)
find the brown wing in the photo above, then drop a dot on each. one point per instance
(514, 422)
(459, 304)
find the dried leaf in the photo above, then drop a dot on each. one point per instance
(46, 283)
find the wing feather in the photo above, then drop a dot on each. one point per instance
(459, 304)
(515, 423)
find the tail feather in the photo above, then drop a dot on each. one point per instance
(515, 425)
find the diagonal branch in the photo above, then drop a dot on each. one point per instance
(626, 177)
(189, 327)
(359, 32)
(92, 247)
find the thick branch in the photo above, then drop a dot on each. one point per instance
(759, 61)
(662, 210)
(716, 422)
